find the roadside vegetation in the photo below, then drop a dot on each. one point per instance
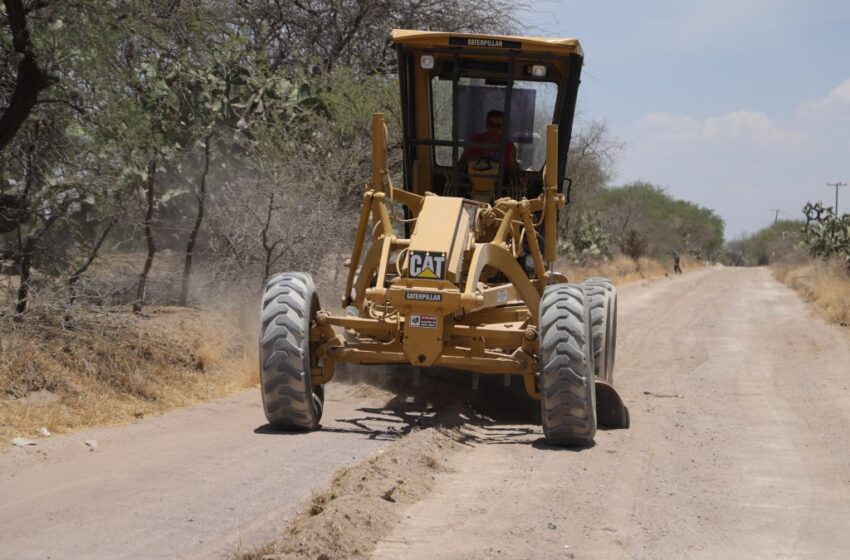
(116, 367)
(824, 283)
(622, 269)
(811, 255)
(159, 159)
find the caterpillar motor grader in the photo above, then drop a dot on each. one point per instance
(455, 267)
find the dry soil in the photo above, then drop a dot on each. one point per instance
(739, 445)
(739, 448)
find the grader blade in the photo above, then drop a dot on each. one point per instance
(610, 410)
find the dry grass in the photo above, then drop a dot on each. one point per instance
(112, 367)
(824, 283)
(256, 553)
(622, 269)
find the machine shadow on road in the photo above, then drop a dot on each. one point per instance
(487, 414)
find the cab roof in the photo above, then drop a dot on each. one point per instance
(425, 39)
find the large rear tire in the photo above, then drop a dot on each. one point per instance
(568, 394)
(612, 331)
(604, 317)
(597, 301)
(289, 306)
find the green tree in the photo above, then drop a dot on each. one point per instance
(641, 215)
(770, 244)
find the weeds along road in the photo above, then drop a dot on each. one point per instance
(739, 448)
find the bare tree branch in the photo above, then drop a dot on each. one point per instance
(31, 79)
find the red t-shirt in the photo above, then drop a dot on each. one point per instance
(478, 152)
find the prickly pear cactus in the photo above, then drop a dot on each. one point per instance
(826, 234)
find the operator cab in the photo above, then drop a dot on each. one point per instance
(475, 110)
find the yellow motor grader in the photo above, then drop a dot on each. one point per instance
(455, 268)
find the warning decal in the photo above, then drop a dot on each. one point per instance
(423, 321)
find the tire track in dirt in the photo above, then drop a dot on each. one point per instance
(738, 448)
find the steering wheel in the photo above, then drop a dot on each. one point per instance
(484, 163)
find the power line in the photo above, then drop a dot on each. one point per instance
(836, 184)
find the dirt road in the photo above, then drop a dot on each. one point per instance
(739, 448)
(198, 483)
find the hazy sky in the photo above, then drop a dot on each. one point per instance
(742, 106)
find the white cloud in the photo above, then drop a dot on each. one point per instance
(738, 128)
(741, 163)
(835, 104)
(729, 25)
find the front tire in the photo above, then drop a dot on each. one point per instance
(289, 306)
(567, 381)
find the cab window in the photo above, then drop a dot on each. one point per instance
(532, 108)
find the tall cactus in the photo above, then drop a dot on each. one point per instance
(826, 234)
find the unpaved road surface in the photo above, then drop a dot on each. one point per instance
(739, 448)
(739, 444)
(198, 483)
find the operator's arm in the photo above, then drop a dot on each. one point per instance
(511, 162)
(463, 162)
(468, 153)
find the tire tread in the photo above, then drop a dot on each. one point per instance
(288, 397)
(567, 392)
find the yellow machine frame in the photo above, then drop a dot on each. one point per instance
(455, 269)
(481, 313)
(484, 328)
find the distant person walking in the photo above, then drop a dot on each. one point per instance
(677, 262)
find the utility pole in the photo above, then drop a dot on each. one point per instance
(776, 217)
(836, 184)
